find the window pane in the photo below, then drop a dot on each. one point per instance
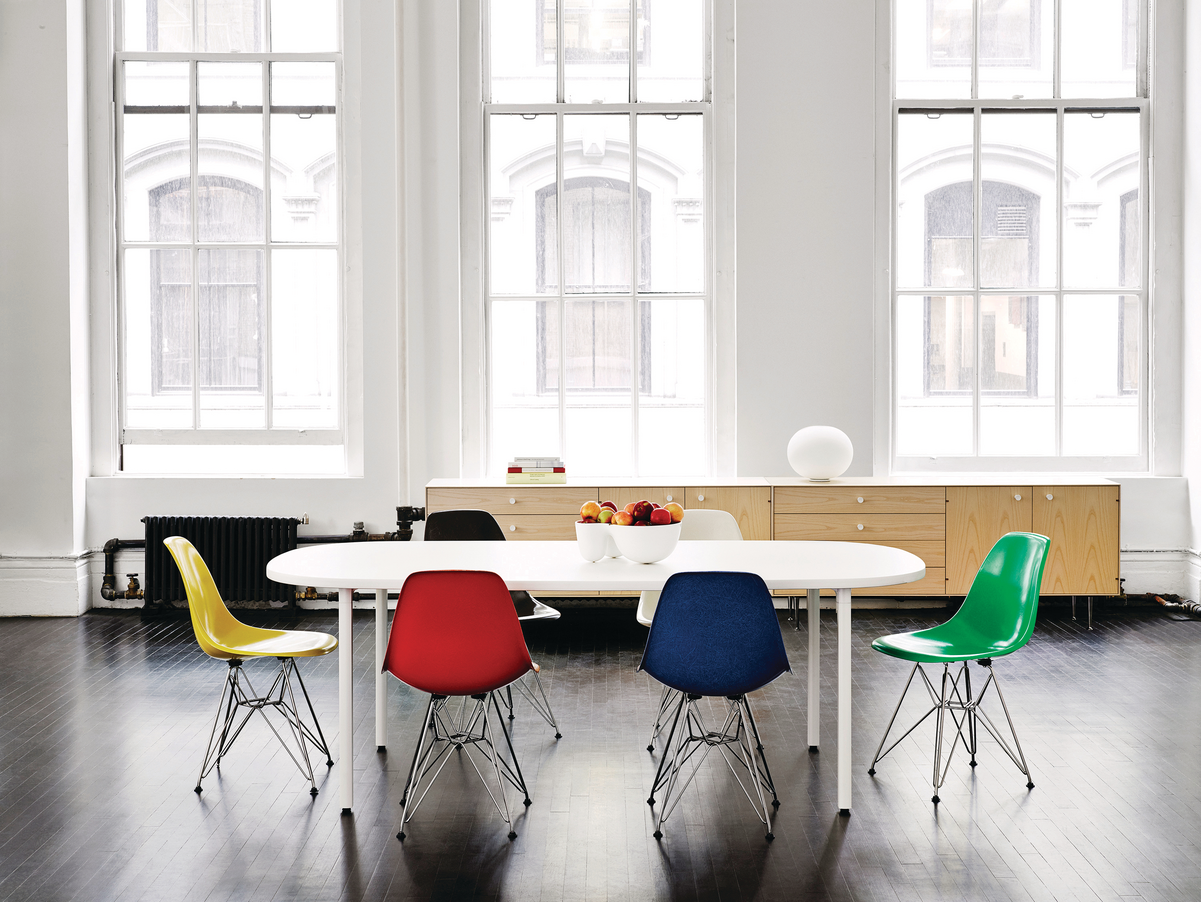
(162, 25)
(671, 413)
(596, 49)
(935, 376)
(231, 329)
(155, 146)
(1017, 163)
(933, 48)
(1016, 48)
(229, 26)
(596, 209)
(304, 138)
(524, 379)
(157, 371)
(1098, 60)
(304, 26)
(670, 65)
(934, 200)
(229, 188)
(1100, 391)
(305, 337)
(671, 190)
(523, 51)
(599, 349)
(1017, 375)
(598, 439)
(271, 460)
(524, 237)
(1101, 175)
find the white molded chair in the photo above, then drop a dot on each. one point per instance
(697, 526)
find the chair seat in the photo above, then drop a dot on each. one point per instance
(255, 642)
(940, 645)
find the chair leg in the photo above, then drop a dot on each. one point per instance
(938, 731)
(319, 740)
(665, 761)
(227, 702)
(1019, 759)
(665, 702)
(880, 751)
(971, 715)
(771, 784)
(537, 699)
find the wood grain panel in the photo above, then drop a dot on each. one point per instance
(750, 505)
(512, 499)
(921, 534)
(976, 517)
(1082, 522)
(545, 527)
(623, 495)
(839, 499)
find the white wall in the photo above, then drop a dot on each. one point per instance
(1191, 307)
(806, 226)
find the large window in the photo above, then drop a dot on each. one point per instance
(229, 233)
(1019, 276)
(598, 254)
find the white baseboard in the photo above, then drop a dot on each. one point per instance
(1191, 578)
(1157, 572)
(44, 586)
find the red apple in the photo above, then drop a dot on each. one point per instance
(589, 510)
(609, 504)
(629, 508)
(677, 512)
(623, 518)
(660, 517)
(642, 510)
(586, 520)
(642, 522)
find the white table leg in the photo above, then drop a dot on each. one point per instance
(381, 678)
(843, 603)
(345, 699)
(813, 604)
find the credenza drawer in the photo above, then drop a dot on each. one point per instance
(545, 528)
(921, 534)
(514, 499)
(845, 499)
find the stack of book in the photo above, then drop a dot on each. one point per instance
(536, 471)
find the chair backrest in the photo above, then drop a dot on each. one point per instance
(455, 632)
(715, 633)
(462, 526)
(713, 526)
(1002, 603)
(215, 627)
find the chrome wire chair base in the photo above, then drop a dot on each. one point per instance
(537, 700)
(954, 698)
(689, 743)
(238, 693)
(666, 702)
(469, 727)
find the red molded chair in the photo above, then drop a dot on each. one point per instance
(455, 633)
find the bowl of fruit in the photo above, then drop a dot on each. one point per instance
(645, 532)
(592, 535)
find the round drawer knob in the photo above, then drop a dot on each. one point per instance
(669, 497)
(1017, 497)
(1050, 497)
(512, 528)
(860, 499)
(512, 500)
(859, 526)
(700, 497)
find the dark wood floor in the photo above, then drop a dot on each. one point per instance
(103, 719)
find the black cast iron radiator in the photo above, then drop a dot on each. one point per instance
(236, 550)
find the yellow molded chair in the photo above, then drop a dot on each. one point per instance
(223, 636)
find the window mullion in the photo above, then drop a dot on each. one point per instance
(977, 269)
(560, 124)
(1061, 224)
(194, 165)
(560, 66)
(635, 302)
(265, 354)
(1056, 62)
(633, 39)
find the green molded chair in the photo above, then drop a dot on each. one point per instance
(996, 618)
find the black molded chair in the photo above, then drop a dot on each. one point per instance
(480, 526)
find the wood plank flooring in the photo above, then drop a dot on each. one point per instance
(103, 721)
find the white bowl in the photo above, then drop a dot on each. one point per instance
(592, 539)
(646, 544)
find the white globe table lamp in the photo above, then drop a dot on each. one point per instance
(820, 453)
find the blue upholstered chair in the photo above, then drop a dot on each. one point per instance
(714, 634)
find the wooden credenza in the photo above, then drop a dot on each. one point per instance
(949, 525)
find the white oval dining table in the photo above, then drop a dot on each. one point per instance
(796, 567)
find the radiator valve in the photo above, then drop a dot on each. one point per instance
(134, 589)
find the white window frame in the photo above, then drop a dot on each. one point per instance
(349, 414)
(720, 329)
(886, 458)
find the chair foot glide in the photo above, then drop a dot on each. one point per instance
(313, 791)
